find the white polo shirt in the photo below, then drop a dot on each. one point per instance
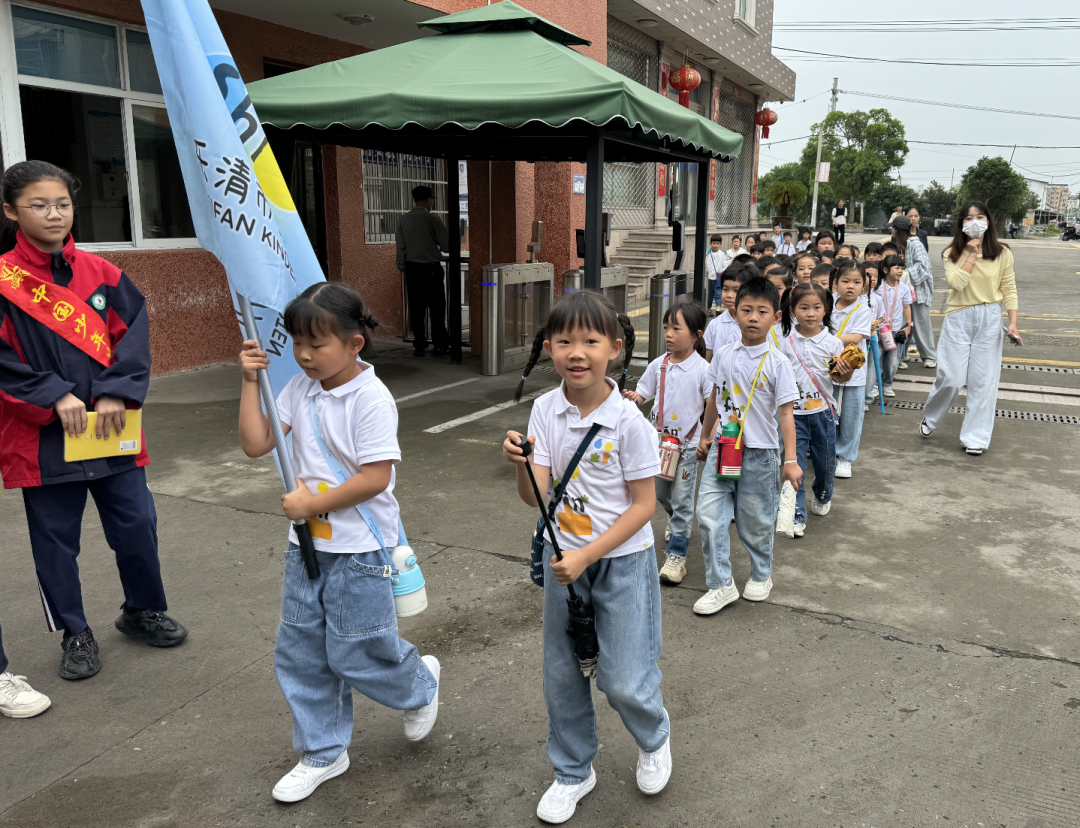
(877, 306)
(892, 302)
(624, 449)
(722, 330)
(686, 391)
(359, 424)
(816, 352)
(859, 323)
(732, 371)
(715, 264)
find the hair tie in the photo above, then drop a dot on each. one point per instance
(624, 370)
(523, 377)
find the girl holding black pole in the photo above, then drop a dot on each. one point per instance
(603, 526)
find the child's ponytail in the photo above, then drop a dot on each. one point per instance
(17, 178)
(584, 309)
(534, 357)
(628, 347)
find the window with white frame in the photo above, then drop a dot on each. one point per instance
(389, 178)
(83, 93)
(745, 10)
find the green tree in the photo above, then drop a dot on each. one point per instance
(997, 185)
(937, 201)
(785, 172)
(785, 195)
(888, 196)
(862, 147)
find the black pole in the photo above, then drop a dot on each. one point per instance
(594, 209)
(700, 237)
(454, 298)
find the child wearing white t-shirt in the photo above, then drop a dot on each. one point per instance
(850, 323)
(896, 298)
(338, 629)
(603, 526)
(677, 381)
(870, 270)
(716, 262)
(724, 329)
(750, 366)
(809, 347)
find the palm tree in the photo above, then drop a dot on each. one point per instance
(786, 194)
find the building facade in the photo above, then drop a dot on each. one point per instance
(78, 87)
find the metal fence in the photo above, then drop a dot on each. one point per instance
(388, 181)
(630, 189)
(735, 179)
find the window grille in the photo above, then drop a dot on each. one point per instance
(389, 178)
(630, 189)
(735, 179)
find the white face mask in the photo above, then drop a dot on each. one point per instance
(975, 228)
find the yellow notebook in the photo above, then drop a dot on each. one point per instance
(88, 447)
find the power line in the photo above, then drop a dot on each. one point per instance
(951, 26)
(999, 146)
(827, 57)
(961, 106)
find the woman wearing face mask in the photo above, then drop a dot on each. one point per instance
(979, 270)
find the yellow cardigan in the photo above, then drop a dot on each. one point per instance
(990, 282)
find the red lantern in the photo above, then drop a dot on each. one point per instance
(683, 80)
(765, 119)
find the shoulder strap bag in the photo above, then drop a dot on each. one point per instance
(536, 561)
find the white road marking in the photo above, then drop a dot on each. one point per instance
(1002, 386)
(408, 397)
(484, 412)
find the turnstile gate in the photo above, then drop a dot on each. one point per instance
(515, 302)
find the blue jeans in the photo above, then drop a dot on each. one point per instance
(339, 633)
(677, 498)
(753, 500)
(711, 295)
(850, 400)
(624, 592)
(815, 433)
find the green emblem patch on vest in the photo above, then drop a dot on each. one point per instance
(98, 301)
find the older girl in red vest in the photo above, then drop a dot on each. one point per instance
(74, 336)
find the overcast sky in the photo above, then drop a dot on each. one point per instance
(1047, 90)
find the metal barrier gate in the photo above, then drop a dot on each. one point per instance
(515, 302)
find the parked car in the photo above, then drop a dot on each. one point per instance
(943, 226)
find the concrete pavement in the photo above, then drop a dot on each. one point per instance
(918, 662)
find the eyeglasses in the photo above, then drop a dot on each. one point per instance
(63, 209)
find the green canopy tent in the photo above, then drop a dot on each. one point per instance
(497, 83)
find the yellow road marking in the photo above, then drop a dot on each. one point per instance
(1044, 362)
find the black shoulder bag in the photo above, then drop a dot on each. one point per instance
(536, 564)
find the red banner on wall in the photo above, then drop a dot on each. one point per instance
(661, 180)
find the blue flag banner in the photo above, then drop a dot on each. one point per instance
(240, 205)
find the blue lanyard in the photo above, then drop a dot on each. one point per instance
(342, 476)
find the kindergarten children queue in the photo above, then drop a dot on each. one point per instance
(779, 376)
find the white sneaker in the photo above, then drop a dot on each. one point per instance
(654, 769)
(888, 392)
(903, 365)
(924, 429)
(757, 590)
(716, 599)
(418, 723)
(866, 408)
(800, 529)
(18, 700)
(559, 801)
(667, 532)
(843, 468)
(874, 393)
(673, 570)
(301, 781)
(819, 508)
(930, 363)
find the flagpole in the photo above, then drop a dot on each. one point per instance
(303, 531)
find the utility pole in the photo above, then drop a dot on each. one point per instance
(817, 164)
(952, 175)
